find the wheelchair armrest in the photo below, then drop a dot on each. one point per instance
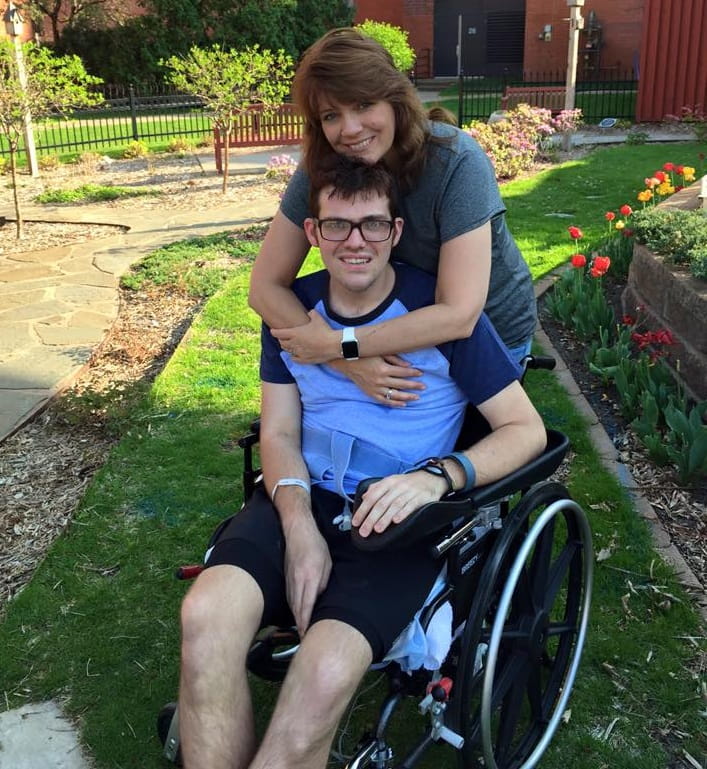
(436, 516)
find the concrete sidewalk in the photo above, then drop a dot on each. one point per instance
(56, 305)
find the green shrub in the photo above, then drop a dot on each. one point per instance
(698, 261)
(93, 193)
(136, 150)
(678, 235)
(48, 162)
(179, 144)
(393, 39)
(636, 137)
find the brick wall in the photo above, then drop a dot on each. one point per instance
(620, 22)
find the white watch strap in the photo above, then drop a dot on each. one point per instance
(348, 334)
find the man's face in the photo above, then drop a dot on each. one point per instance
(354, 264)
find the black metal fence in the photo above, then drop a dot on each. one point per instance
(159, 113)
(613, 95)
(127, 114)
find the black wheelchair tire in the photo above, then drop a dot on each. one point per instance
(536, 654)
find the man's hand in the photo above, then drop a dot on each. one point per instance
(394, 498)
(307, 569)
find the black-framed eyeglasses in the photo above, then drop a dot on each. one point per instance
(372, 230)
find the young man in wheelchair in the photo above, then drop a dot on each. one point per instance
(287, 557)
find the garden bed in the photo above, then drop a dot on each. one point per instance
(682, 509)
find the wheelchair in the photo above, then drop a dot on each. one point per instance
(519, 568)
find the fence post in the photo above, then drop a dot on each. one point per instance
(460, 108)
(133, 111)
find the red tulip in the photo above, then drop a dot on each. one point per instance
(610, 216)
(626, 210)
(602, 263)
(575, 232)
(668, 167)
(660, 176)
(599, 266)
(579, 260)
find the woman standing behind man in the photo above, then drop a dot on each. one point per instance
(356, 103)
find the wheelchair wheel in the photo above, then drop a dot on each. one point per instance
(523, 639)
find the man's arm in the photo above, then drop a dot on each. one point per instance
(518, 435)
(307, 559)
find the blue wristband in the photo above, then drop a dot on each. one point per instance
(465, 463)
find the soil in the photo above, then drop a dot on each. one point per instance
(46, 465)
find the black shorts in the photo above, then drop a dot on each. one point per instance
(376, 593)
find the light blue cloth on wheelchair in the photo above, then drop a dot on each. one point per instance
(332, 455)
(416, 647)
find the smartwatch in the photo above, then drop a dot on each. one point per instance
(349, 343)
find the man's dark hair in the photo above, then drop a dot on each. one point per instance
(352, 178)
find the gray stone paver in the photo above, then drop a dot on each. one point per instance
(36, 310)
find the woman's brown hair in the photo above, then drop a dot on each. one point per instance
(350, 67)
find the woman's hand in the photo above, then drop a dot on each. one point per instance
(386, 380)
(313, 342)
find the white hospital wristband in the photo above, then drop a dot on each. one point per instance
(289, 482)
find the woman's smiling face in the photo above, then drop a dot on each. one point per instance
(364, 130)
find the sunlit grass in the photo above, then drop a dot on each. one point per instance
(98, 624)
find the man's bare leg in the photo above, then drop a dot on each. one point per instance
(322, 679)
(220, 616)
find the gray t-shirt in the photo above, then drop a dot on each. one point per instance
(457, 192)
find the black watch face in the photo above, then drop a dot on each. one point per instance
(349, 349)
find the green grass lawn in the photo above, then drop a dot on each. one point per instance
(97, 626)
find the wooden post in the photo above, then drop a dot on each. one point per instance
(576, 23)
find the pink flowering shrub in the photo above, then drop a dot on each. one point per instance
(514, 143)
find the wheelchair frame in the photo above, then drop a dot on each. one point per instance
(519, 580)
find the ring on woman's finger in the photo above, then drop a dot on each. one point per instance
(388, 393)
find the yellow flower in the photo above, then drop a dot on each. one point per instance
(688, 173)
(620, 225)
(665, 189)
(645, 196)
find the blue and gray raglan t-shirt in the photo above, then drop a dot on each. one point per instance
(346, 435)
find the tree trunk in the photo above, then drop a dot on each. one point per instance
(15, 195)
(226, 144)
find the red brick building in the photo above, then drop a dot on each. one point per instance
(659, 42)
(513, 35)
